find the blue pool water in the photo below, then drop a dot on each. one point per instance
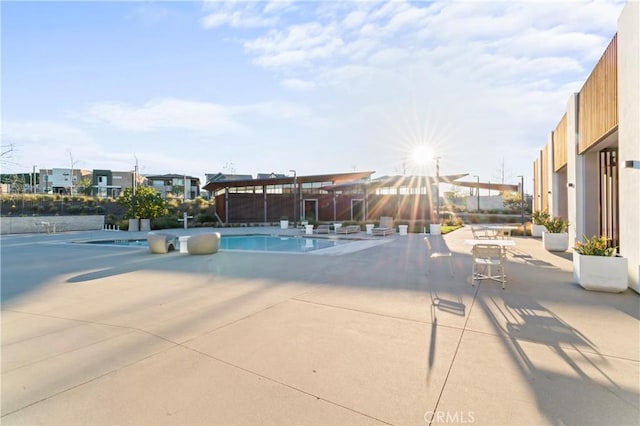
(272, 243)
(276, 243)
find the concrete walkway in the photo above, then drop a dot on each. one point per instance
(113, 335)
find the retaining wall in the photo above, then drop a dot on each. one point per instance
(35, 224)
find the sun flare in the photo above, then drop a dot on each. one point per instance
(422, 154)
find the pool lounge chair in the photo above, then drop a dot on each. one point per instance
(203, 243)
(160, 243)
(350, 229)
(385, 228)
(323, 229)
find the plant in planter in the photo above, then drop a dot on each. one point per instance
(539, 218)
(595, 266)
(556, 237)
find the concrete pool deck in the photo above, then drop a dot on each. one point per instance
(116, 335)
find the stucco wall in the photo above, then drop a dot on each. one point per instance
(629, 136)
(34, 224)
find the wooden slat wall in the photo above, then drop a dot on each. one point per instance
(560, 144)
(544, 178)
(598, 99)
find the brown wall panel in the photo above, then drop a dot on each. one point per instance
(598, 100)
(560, 144)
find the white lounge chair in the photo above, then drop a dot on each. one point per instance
(323, 229)
(203, 243)
(160, 243)
(386, 226)
(349, 229)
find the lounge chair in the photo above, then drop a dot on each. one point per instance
(323, 229)
(385, 228)
(204, 243)
(160, 243)
(349, 229)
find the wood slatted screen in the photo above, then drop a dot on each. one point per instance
(560, 144)
(598, 100)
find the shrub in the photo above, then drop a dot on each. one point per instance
(539, 217)
(166, 222)
(595, 246)
(204, 218)
(556, 225)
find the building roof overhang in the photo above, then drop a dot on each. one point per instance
(335, 178)
(488, 185)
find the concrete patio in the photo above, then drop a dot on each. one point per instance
(115, 335)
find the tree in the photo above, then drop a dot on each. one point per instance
(512, 201)
(149, 203)
(84, 187)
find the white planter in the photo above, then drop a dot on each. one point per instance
(308, 229)
(435, 229)
(601, 273)
(145, 224)
(555, 241)
(133, 225)
(284, 224)
(403, 229)
(537, 230)
(370, 227)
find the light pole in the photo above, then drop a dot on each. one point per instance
(522, 200)
(133, 193)
(295, 191)
(478, 193)
(33, 179)
(438, 190)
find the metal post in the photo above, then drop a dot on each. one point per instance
(478, 193)
(295, 200)
(33, 179)
(133, 194)
(522, 199)
(438, 189)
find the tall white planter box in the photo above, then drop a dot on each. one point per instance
(601, 273)
(435, 229)
(284, 224)
(555, 241)
(537, 230)
(134, 225)
(145, 224)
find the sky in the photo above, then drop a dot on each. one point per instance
(312, 86)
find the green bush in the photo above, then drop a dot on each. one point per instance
(203, 218)
(539, 217)
(556, 225)
(166, 222)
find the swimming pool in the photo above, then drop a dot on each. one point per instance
(265, 243)
(277, 243)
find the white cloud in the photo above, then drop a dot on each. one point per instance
(237, 14)
(35, 131)
(165, 114)
(297, 84)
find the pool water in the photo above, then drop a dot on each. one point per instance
(276, 243)
(271, 243)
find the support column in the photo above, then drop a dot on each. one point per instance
(629, 137)
(575, 174)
